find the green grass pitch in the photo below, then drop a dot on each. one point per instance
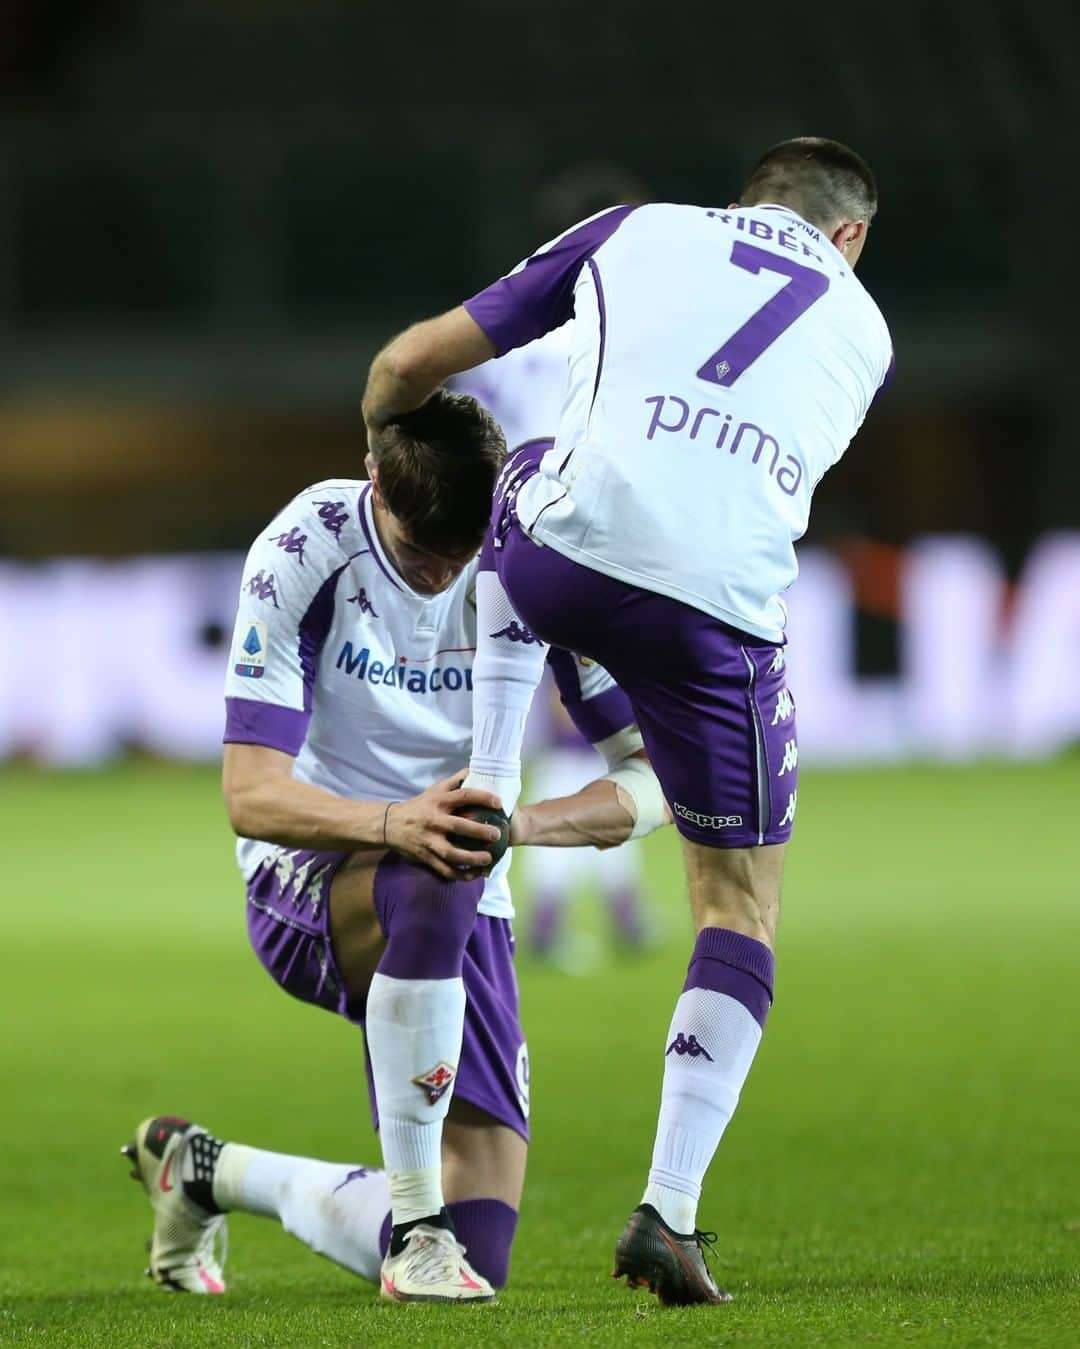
(903, 1168)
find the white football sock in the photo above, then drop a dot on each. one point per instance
(414, 1029)
(508, 667)
(711, 1043)
(335, 1209)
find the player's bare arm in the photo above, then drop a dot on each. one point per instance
(411, 367)
(265, 801)
(602, 814)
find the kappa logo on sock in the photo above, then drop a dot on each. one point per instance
(685, 1044)
(435, 1083)
(516, 632)
(358, 1173)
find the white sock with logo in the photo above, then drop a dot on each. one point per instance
(508, 667)
(712, 1040)
(414, 1030)
(336, 1209)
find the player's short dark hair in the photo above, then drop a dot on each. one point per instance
(437, 470)
(824, 181)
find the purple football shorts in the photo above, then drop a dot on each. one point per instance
(712, 703)
(289, 928)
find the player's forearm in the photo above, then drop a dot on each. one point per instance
(403, 375)
(395, 386)
(594, 816)
(410, 368)
(295, 815)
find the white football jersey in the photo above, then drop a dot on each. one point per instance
(334, 660)
(720, 362)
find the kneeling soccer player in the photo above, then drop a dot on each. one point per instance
(350, 682)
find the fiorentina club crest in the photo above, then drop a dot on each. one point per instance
(436, 1081)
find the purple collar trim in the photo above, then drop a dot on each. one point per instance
(372, 536)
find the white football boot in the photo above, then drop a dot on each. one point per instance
(175, 1161)
(431, 1267)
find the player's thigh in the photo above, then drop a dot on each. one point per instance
(735, 888)
(355, 933)
(482, 1158)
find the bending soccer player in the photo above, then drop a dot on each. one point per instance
(721, 362)
(350, 682)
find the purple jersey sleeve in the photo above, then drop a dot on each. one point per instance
(539, 295)
(594, 702)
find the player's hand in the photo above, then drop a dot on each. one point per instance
(419, 827)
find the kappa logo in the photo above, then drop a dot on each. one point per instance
(778, 661)
(333, 516)
(687, 1044)
(516, 632)
(435, 1083)
(262, 587)
(360, 598)
(791, 758)
(706, 821)
(785, 706)
(358, 1173)
(292, 542)
(789, 814)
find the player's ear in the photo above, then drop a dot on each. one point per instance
(848, 233)
(373, 476)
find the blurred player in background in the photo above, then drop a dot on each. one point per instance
(524, 390)
(561, 764)
(721, 362)
(348, 685)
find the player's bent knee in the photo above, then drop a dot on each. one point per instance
(421, 913)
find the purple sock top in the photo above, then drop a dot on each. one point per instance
(485, 1227)
(427, 921)
(738, 966)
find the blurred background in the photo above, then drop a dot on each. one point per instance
(212, 213)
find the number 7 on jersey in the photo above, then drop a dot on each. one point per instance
(805, 285)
